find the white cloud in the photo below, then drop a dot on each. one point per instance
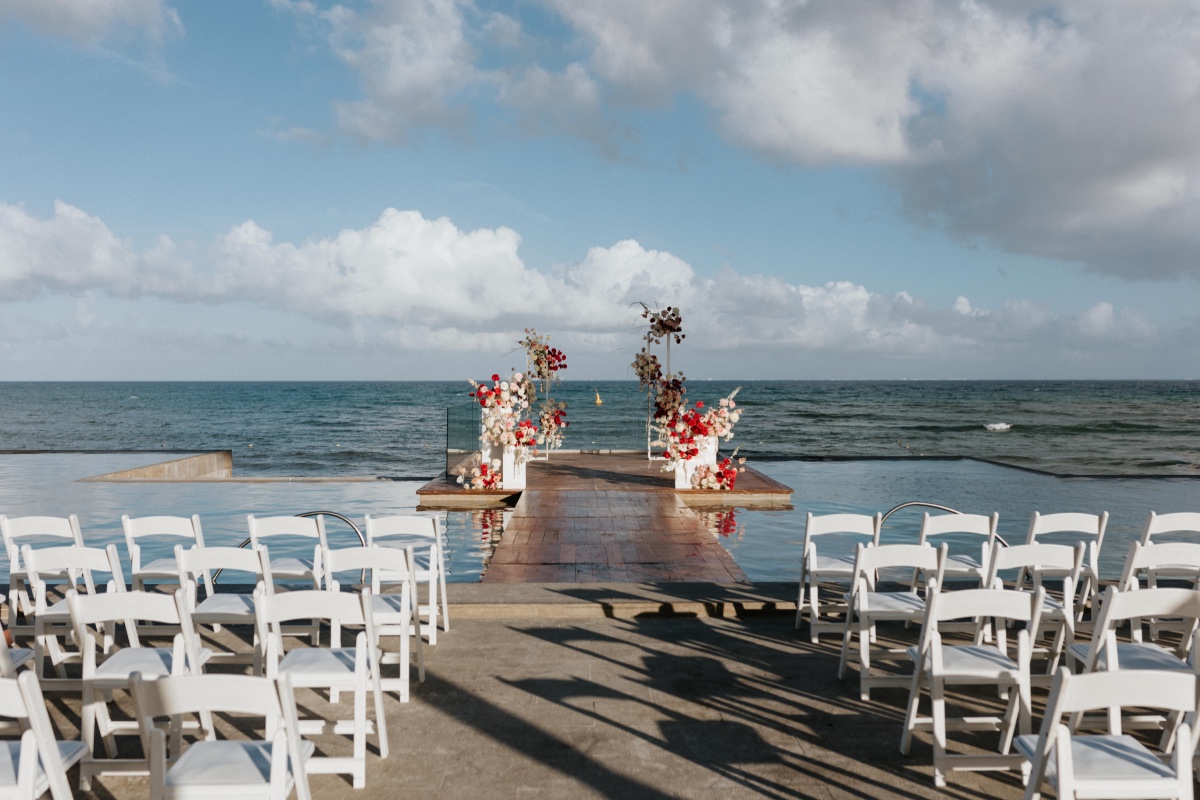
(86, 21)
(412, 283)
(73, 251)
(1068, 130)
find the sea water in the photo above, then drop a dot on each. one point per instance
(1141, 438)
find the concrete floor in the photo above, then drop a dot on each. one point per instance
(687, 706)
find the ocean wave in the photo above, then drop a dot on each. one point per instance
(998, 426)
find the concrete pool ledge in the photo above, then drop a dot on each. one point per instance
(617, 600)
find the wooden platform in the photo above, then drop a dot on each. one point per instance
(625, 472)
(592, 518)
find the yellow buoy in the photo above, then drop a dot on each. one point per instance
(599, 402)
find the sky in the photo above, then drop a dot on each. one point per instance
(394, 190)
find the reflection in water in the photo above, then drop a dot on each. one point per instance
(724, 523)
(471, 538)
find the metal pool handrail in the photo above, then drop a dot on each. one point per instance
(923, 504)
(361, 540)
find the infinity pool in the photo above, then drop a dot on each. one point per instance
(766, 544)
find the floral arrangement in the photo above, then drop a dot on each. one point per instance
(683, 432)
(666, 324)
(720, 477)
(543, 363)
(551, 421)
(482, 476)
(721, 418)
(502, 404)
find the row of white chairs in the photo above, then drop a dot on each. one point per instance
(105, 668)
(842, 531)
(988, 659)
(421, 532)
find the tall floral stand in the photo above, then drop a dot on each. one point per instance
(684, 470)
(512, 464)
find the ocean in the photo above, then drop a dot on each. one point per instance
(398, 429)
(1123, 447)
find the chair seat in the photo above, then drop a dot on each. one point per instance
(972, 661)
(58, 613)
(900, 605)
(963, 565)
(226, 764)
(152, 662)
(1133, 656)
(387, 609)
(1103, 758)
(292, 567)
(20, 655)
(313, 663)
(159, 568)
(225, 609)
(833, 565)
(10, 756)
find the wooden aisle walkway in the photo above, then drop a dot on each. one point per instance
(608, 518)
(607, 536)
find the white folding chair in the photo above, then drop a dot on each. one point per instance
(422, 534)
(1033, 564)
(393, 613)
(1177, 560)
(38, 532)
(52, 619)
(292, 567)
(268, 768)
(160, 569)
(938, 665)
(109, 669)
(1088, 528)
(866, 606)
(1112, 764)
(842, 531)
(335, 668)
(196, 565)
(37, 763)
(962, 566)
(1104, 652)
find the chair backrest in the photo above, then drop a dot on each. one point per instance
(137, 527)
(75, 562)
(846, 527)
(21, 699)
(1091, 525)
(943, 524)
(1037, 561)
(870, 559)
(376, 559)
(197, 563)
(1180, 522)
(265, 527)
(130, 608)
(272, 610)
(15, 529)
(1177, 556)
(406, 525)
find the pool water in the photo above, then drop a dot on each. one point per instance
(765, 544)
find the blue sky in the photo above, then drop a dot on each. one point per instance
(394, 190)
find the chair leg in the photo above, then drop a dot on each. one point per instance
(846, 634)
(800, 597)
(937, 693)
(813, 609)
(910, 715)
(445, 597)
